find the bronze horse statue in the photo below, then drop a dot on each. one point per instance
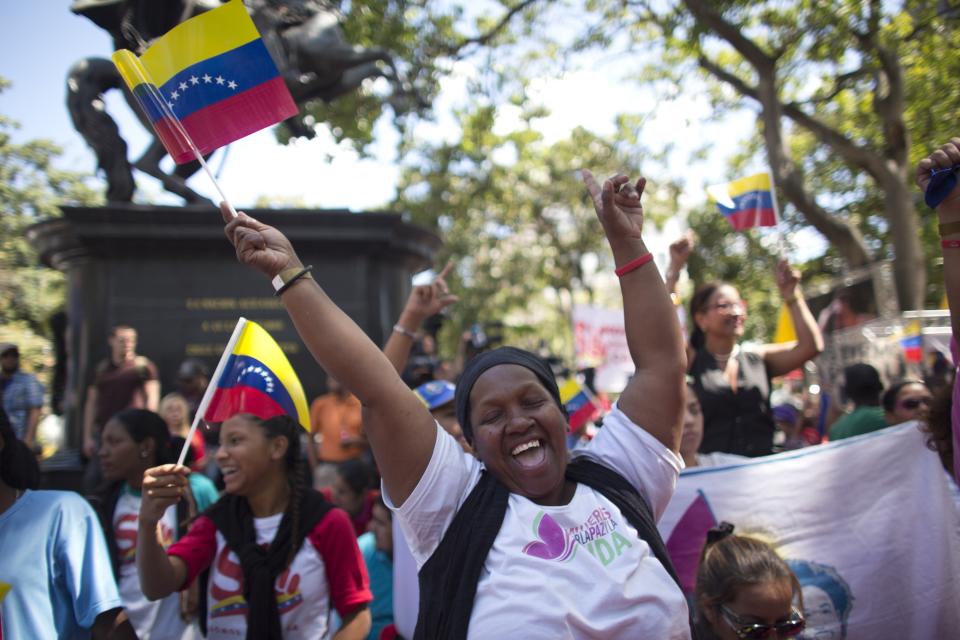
(304, 37)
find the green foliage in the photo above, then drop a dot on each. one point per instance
(31, 188)
(425, 39)
(515, 218)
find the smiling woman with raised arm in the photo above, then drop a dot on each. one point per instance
(521, 540)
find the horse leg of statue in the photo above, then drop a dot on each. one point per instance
(149, 163)
(87, 81)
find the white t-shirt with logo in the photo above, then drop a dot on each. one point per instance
(160, 619)
(574, 571)
(327, 569)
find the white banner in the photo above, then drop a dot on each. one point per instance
(868, 524)
(601, 341)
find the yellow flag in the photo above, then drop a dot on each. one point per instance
(785, 331)
(4, 588)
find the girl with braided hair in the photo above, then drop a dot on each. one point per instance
(133, 441)
(273, 553)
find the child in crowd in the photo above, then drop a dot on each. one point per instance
(352, 490)
(745, 590)
(275, 556)
(176, 413)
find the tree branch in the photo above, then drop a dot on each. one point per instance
(486, 37)
(704, 13)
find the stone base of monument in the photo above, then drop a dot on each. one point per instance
(170, 273)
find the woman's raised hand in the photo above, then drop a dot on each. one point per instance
(788, 279)
(617, 203)
(259, 245)
(428, 299)
(163, 486)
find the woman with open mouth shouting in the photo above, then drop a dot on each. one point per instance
(521, 539)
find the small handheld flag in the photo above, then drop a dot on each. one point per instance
(253, 376)
(747, 202)
(912, 342)
(210, 80)
(580, 407)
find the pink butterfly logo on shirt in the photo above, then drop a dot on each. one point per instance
(554, 543)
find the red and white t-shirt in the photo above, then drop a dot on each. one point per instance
(152, 620)
(327, 569)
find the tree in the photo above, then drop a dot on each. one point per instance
(426, 40)
(833, 83)
(515, 218)
(31, 188)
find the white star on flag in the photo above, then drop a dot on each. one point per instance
(207, 78)
(232, 84)
(183, 86)
(175, 95)
(194, 80)
(219, 79)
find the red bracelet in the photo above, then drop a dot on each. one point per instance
(950, 244)
(633, 265)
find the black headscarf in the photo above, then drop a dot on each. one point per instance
(504, 355)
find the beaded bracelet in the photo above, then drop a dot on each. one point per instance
(404, 332)
(633, 265)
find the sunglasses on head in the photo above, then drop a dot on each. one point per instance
(788, 628)
(913, 403)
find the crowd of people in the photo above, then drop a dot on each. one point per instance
(434, 499)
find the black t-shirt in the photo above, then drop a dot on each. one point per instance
(734, 422)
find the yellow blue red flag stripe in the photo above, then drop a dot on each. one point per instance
(210, 78)
(747, 202)
(579, 406)
(259, 380)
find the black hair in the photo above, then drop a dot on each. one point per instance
(698, 304)
(357, 474)
(862, 385)
(283, 426)
(890, 395)
(938, 426)
(142, 424)
(18, 465)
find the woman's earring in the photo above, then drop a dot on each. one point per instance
(143, 454)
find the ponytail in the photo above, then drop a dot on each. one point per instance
(297, 472)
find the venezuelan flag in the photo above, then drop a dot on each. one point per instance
(580, 407)
(256, 378)
(209, 78)
(912, 342)
(747, 202)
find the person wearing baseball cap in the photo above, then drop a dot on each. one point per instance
(437, 396)
(22, 394)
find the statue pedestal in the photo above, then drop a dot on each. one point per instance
(170, 273)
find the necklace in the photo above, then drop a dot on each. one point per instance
(722, 358)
